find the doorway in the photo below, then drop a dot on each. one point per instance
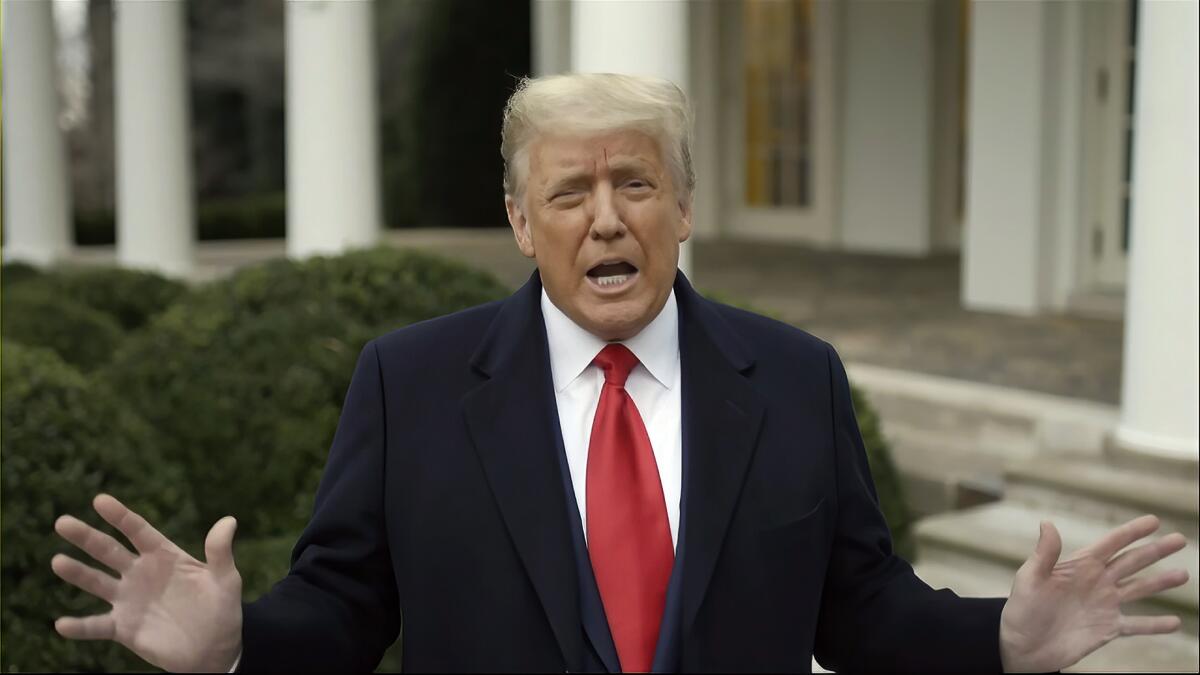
(1109, 53)
(778, 116)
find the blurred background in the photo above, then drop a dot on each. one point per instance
(989, 208)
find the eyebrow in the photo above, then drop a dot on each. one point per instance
(573, 179)
(618, 168)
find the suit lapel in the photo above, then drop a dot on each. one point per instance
(511, 419)
(721, 419)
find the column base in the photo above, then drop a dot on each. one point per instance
(1180, 453)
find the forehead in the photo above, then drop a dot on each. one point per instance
(554, 154)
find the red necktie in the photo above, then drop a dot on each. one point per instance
(629, 538)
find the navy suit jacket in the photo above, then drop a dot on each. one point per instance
(445, 509)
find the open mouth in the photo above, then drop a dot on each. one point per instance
(612, 275)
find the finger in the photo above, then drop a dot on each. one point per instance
(140, 533)
(1124, 535)
(83, 577)
(1139, 558)
(1047, 550)
(218, 545)
(96, 627)
(104, 548)
(1136, 588)
(1149, 625)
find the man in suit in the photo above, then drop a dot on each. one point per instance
(603, 472)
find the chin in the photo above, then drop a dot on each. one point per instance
(618, 323)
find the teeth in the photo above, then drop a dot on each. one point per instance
(613, 280)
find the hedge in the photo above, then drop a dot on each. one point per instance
(130, 297)
(80, 335)
(66, 439)
(244, 378)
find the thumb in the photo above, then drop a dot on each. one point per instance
(1048, 549)
(218, 546)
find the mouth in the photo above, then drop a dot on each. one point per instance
(612, 276)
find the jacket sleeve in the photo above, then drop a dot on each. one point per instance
(337, 610)
(876, 614)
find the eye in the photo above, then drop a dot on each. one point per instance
(636, 183)
(566, 197)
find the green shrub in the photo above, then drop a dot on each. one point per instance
(66, 439)
(131, 297)
(36, 315)
(16, 272)
(244, 379)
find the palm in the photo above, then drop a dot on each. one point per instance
(170, 609)
(1062, 610)
(166, 601)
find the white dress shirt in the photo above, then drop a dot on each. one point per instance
(653, 384)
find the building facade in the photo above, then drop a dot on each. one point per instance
(1051, 145)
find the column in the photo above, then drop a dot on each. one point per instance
(155, 204)
(333, 192)
(636, 37)
(37, 199)
(887, 174)
(1002, 246)
(551, 34)
(1159, 386)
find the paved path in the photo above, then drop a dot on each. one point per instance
(894, 312)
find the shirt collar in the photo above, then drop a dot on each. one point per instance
(572, 348)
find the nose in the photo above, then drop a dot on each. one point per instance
(606, 222)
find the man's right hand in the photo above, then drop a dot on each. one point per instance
(177, 613)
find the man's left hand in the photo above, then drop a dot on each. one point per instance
(1061, 611)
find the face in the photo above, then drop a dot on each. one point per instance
(604, 221)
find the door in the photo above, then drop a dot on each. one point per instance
(1111, 27)
(778, 119)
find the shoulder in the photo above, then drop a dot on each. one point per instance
(448, 338)
(771, 339)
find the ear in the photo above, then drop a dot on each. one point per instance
(520, 226)
(685, 220)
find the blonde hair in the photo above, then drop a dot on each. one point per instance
(593, 103)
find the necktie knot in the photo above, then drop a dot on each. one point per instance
(616, 361)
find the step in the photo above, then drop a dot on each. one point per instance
(991, 418)
(997, 538)
(946, 434)
(1095, 489)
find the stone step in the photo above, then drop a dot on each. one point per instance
(952, 440)
(1178, 652)
(1095, 489)
(993, 419)
(992, 540)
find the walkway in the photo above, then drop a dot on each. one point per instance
(893, 312)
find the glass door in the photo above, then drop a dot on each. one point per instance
(778, 116)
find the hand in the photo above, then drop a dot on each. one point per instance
(1061, 611)
(172, 610)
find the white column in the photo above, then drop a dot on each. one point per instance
(636, 37)
(887, 173)
(37, 204)
(333, 191)
(1001, 259)
(551, 36)
(705, 94)
(1160, 379)
(155, 208)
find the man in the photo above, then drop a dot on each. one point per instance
(603, 472)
